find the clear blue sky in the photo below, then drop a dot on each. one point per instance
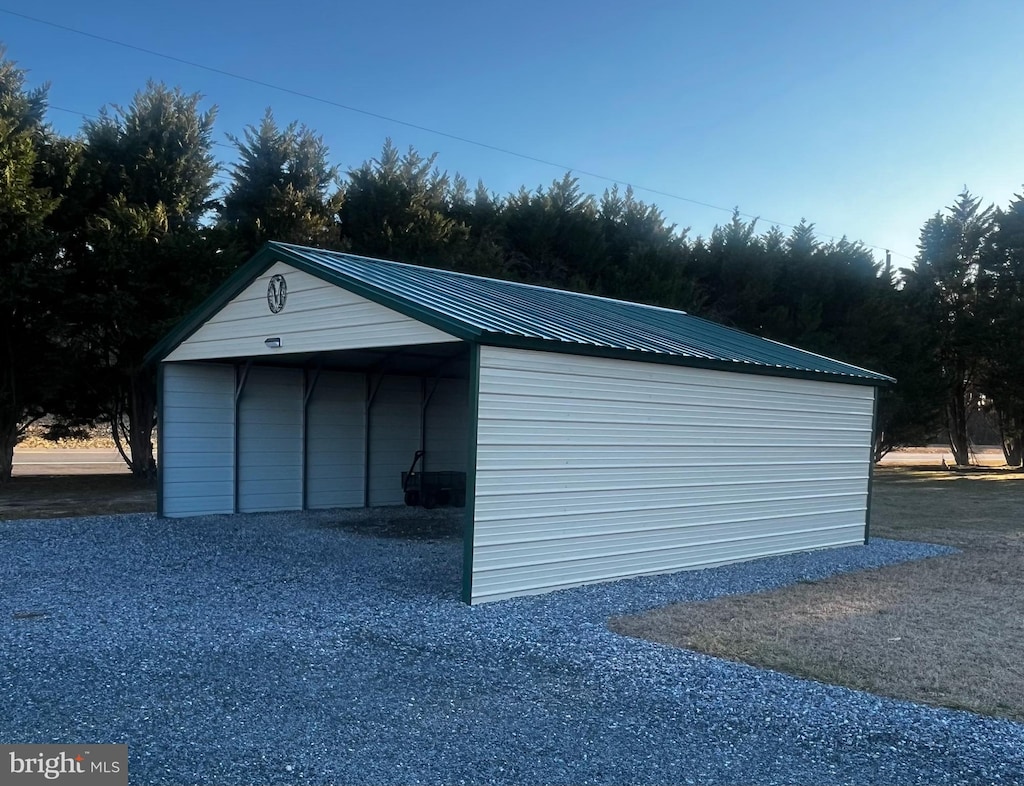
(863, 117)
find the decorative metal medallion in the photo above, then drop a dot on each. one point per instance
(277, 293)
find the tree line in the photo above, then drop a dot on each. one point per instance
(109, 237)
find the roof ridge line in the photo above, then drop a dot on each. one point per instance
(363, 257)
(502, 312)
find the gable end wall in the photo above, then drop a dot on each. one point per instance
(317, 317)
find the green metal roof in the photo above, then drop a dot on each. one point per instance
(491, 311)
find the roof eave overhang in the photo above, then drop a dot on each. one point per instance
(736, 367)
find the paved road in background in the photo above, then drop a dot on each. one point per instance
(989, 457)
(67, 461)
(85, 461)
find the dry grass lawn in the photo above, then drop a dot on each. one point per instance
(34, 440)
(947, 631)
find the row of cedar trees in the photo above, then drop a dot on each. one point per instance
(108, 238)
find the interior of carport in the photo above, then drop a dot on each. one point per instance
(317, 430)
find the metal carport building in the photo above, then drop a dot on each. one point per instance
(600, 439)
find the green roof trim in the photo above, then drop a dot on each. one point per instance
(222, 295)
(503, 313)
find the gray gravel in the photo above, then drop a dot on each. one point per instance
(288, 649)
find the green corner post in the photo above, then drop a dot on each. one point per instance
(467, 533)
(160, 438)
(871, 467)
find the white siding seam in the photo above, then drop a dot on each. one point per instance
(707, 484)
(317, 317)
(592, 495)
(335, 448)
(699, 464)
(684, 439)
(735, 426)
(500, 592)
(327, 305)
(717, 397)
(640, 383)
(197, 438)
(306, 329)
(710, 504)
(270, 440)
(659, 548)
(590, 534)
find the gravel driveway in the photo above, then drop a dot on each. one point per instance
(285, 649)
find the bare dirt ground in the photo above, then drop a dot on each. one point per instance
(57, 496)
(947, 631)
(71, 477)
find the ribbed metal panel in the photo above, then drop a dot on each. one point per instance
(335, 449)
(270, 440)
(590, 469)
(317, 317)
(197, 434)
(446, 427)
(394, 437)
(488, 307)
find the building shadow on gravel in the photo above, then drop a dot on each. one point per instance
(403, 523)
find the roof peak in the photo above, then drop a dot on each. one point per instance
(503, 281)
(497, 312)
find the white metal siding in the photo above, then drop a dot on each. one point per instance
(335, 452)
(197, 439)
(394, 437)
(317, 317)
(270, 440)
(591, 469)
(446, 426)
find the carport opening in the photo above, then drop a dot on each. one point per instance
(342, 429)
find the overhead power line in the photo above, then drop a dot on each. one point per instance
(406, 124)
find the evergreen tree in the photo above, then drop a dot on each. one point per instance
(134, 236)
(130, 250)
(885, 332)
(646, 259)
(398, 207)
(481, 250)
(553, 237)
(739, 278)
(35, 165)
(280, 188)
(1002, 374)
(948, 284)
